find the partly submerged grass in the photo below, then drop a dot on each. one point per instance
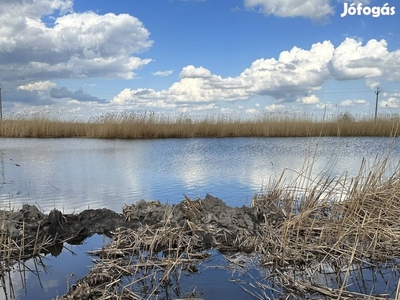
(313, 228)
(150, 125)
(329, 228)
(316, 233)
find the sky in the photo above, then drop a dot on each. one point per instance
(83, 58)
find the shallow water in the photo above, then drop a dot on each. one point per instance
(49, 279)
(74, 174)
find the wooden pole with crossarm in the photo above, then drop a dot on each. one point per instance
(376, 105)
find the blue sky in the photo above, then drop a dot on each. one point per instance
(90, 57)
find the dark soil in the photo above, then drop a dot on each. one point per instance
(30, 223)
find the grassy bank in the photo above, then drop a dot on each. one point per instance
(148, 125)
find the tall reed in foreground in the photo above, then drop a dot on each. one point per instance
(133, 125)
(314, 234)
(330, 226)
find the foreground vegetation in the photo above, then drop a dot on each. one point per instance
(149, 125)
(313, 237)
(319, 238)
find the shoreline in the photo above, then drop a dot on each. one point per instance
(292, 239)
(150, 126)
(29, 222)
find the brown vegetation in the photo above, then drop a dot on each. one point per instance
(304, 233)
(149, 125)
(310, 231)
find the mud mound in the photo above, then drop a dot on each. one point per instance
(214, 223)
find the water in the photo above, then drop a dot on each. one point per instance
(75, 174)
(48, 279)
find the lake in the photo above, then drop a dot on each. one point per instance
(75, 174)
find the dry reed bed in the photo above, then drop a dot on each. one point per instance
(312, 228)
(337, 226)
(14, 252)
(142, 264)
(150, 125)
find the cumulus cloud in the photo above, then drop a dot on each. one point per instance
(371, 83)
(312, 99)
(351, 60)
(38, 86)
(36, 8)
(354, 102)
(78, 45)
(294, 72)
(316, 10)
(393, 101)
(274, 107)
(193, 72)
(87, 45)
(163, 73)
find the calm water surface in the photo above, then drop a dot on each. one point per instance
(74, 174)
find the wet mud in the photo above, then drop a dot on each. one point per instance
(214, 223)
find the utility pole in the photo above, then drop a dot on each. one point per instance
(376, 105)
(1, 109)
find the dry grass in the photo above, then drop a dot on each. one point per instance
(140, 264)
(313, 230)
(15, 251)
(149, 125)
(330, 226)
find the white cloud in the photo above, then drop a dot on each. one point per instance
(316, 10)
(35, 8)
(163, 73)
(38, 86)
(274, 107)
(312, 99)
(354, 102)
(324, 106)
(193, 72)
(351, 60)
(295, 72)
(372, 84)
(78, 45)
(392, 102)
(88, 45)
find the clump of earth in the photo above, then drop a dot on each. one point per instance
(210, 214)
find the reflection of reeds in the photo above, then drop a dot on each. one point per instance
(15, 250)
(314, 236)
(150, 125)
(319, 244)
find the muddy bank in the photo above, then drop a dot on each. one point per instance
(212, 222)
